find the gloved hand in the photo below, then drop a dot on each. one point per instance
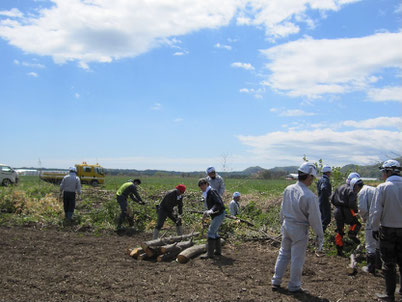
(178, 220)
(207, 213)
(141, 202)
(376, 235)
(319, 242)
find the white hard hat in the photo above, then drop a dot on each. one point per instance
(351, 176)
(391, 164)
(326, 169)
(355, 181)
(236, 194)
(308, 168)
(210, 170)
(73, 169)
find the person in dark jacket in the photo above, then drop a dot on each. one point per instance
(216, 209)
(166, 209)
(345, 201)
(324, 191)
(128, 189)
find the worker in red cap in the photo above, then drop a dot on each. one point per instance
(173, 198)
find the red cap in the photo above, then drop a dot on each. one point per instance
(181, 188)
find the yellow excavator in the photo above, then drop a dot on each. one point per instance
(88, 174)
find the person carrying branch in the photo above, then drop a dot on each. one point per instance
(234, 207)
(70, 185)
(215, 209)
(386, 224)
(345, 201)
(299, 210)
(174, 198)
(128, 189)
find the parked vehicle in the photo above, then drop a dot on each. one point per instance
(8, 176)
(88, 174)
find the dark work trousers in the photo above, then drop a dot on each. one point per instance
(391, 254)
(325, 209)
(162, 215)
(123, 206)
(69, 203)
(354, 228)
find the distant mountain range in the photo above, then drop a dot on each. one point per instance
(255, 172)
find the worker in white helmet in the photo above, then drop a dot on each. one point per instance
(215, 181)
(299, 210)
(386, 223)
(234, 206)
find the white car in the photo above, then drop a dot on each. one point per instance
(8, 175)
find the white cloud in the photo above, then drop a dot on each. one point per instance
(379, 122)
(103, 31)
(309, 67)
(32, 74)
(28, 64)
(180, 53)
(219, 45)
(156, 106)
(385, 94)
(77, 95)
(178, 120)
(13, 13)
(246, 66)
(335, 147)
(291, 112)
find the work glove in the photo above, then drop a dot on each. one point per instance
(178, 220)
(207, 213)
(376, 235)
(319, 242)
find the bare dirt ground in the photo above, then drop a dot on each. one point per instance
(60, 265)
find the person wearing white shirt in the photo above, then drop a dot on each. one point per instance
(299, 210)
(234, 207)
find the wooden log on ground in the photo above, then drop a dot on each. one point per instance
(135, 252)
(142, 256)
(167, 240)
(176, 247)
(193, 251)
(166, 257)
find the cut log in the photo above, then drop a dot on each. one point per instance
(152, 251)
(167, 240)
(176, 247)
(166, 257)
(135, 252)
(193, 251)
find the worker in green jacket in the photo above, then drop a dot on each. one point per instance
(127, 189)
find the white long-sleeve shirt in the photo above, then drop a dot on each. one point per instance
(388, 204)
(300, 206)
(234, 208)
(71, 183)
(217, 184)
(366, 201)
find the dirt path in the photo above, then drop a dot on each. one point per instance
(55, 265)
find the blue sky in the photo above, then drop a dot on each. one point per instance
(183, 85)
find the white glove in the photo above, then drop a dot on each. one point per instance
(319, 242)
(208, 212)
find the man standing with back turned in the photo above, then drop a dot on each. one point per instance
(324, 191)
(299, 210)
(70, 185)
(386, 223)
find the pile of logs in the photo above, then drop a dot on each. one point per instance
(180, 248)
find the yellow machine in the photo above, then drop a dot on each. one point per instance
(88, 174)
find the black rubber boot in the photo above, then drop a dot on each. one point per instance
(378, 261)
(390, 283)
(210, 249)
(218, 247)
(370, 268)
